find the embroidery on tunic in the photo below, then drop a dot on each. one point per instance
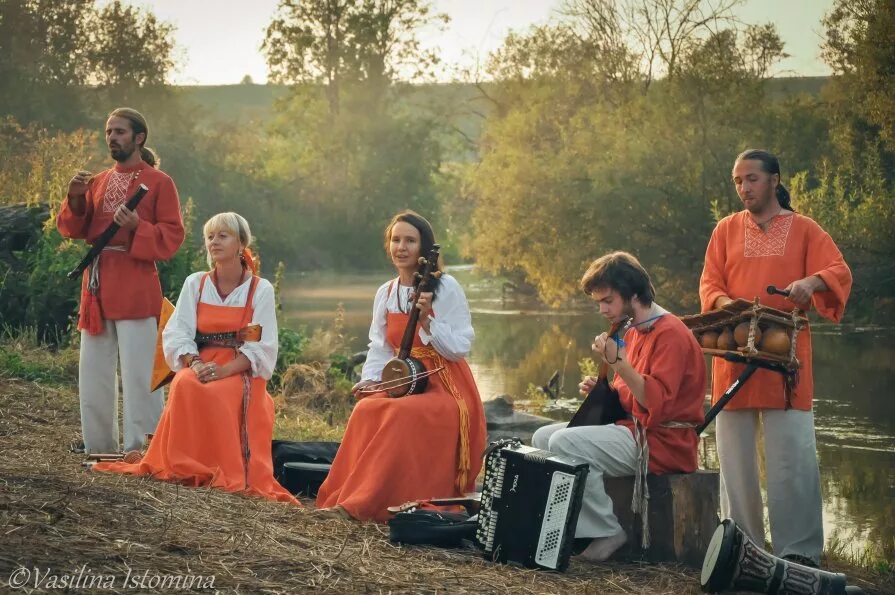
(770, 243)
(116, 191)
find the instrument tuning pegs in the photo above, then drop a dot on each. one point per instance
(437, 274)
(421, 260)
(417, 275)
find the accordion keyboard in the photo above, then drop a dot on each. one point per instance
(555, 514)
(495, 470)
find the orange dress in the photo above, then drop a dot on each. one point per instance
(410, 448)
(200, 440)
(740, 262)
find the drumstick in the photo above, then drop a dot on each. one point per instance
(774, 290)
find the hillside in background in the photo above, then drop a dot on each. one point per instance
(463, 103)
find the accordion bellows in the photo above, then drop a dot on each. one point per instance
(530, 504)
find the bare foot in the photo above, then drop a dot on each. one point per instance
(335, 512)
(601, 548)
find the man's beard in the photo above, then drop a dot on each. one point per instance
(759, 208)
(120, 155)
(627, 313)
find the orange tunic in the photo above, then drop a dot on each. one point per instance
(198, 441)
(401, 449)
(740, 262)
(129, 286)
(671, 363)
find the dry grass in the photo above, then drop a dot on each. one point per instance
(55, 516)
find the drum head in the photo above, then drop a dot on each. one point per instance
(718, 557)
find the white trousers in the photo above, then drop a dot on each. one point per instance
(610, 450)
(793, 479)
(133, 341)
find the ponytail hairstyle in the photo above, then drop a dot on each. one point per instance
(150, 157)
(238, 226)
(138, 122)
(427, 240)
(769, 164)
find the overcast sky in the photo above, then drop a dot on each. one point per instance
(219, 40)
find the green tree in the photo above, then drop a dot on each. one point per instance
(346, 146)
(42, 61)
(53, 54)
(129, 50)
(850, 189)
(589, 153)
(860, 48)
(339, 43)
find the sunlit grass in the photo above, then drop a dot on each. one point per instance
(871, 557)
(302, 425)
(22, 355)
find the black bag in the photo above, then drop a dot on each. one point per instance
(431, 527)
(308, 464)
(304, 479)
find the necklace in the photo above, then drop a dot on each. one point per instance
(768, 220)
(221, 294)
(403, 304)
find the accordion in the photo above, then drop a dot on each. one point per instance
(529, 507)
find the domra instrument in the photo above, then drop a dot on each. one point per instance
(405, 374)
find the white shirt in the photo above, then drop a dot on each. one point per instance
(179, 335)
(450, 327)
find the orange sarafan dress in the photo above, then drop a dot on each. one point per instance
(415, 447)
(216, 434)
(740, 262)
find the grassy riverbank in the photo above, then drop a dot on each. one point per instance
(58, 519)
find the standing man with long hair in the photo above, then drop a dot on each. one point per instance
(121, 295)
(768, 243)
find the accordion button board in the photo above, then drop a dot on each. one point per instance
(530, 503)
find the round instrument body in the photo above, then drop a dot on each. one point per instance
(709, 339)
(725, 340)
(741, 334)
(720, 558)
(776, 340)
(409, 369)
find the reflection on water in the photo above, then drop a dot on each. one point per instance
(518, 342)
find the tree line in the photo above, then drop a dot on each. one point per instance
(613, 126)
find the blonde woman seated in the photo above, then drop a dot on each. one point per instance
(217, 425)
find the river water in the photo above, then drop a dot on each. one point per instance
(519, 343)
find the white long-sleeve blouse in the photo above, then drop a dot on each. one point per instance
(450, 326)
(179, 335)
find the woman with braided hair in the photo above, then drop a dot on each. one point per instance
(421, 446)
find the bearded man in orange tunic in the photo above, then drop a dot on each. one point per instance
(121, 296)
(769, 244)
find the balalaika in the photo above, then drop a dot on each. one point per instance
(530, 504)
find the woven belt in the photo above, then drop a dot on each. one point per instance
(464, 462)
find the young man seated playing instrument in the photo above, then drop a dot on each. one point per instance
(660, 377)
